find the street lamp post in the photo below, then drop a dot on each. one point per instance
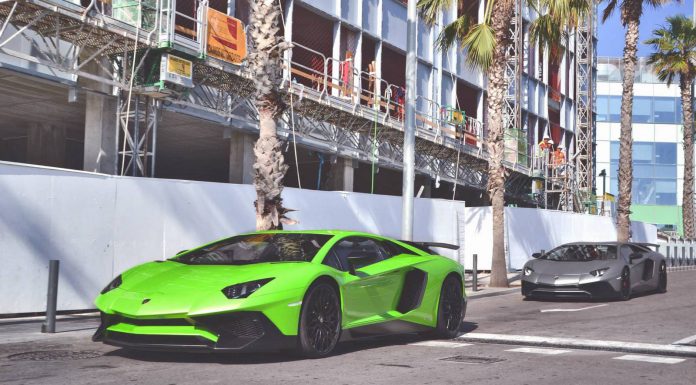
(409, 126)
(603, 174)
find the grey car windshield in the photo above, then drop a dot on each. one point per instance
(581, 253)
(257, 248)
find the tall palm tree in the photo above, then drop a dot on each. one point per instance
(265, 65)
(485, 44)
(631, 11)
(675, 58)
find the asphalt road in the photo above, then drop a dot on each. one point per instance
(69, 357)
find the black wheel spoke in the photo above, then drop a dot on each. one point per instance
(322, 321)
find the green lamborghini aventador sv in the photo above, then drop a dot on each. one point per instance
(278, 290)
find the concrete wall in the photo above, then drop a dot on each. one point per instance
(99, 225)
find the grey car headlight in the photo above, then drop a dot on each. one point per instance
(599, 272)
(527, 271)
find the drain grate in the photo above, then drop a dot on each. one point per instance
(54, 355)
(472, 359)
(396, 365)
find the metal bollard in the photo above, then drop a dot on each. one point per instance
(474, 271)
(49, 324)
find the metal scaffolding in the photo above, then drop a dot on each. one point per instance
(328, 114)
(138, 118)
(585, 64)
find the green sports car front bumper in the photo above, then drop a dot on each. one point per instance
(236, 331)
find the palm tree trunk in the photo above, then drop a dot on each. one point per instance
(688, 193)
(633, 12)
(497, 87)
(265, 64)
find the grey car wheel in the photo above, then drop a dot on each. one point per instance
(625, 291)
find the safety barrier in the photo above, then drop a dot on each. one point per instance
(680, 254)
(338, 79)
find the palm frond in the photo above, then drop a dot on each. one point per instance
(609, 10)
(480, 44)
(429, 9)
(454, 32)
(673, 46)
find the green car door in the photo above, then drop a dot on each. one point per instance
(372, 282)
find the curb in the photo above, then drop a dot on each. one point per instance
(471, 296)
(613, 346)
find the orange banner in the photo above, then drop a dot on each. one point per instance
(226, 37)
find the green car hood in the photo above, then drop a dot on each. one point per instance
(175, 289)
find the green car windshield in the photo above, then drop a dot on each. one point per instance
(257, 248)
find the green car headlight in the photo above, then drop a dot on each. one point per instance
(112, 285)
(243, 290)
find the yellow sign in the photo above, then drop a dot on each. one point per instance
(179, 66)
(226, 37)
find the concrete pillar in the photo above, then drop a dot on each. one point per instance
(101, 129)
(342, 175)
(46, 145)
(101, 149)
(426, 182)
(241, 169)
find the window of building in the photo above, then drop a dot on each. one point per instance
(654, 172)
(615, 108)
(665, 110)
(602, 106)
(642, 109)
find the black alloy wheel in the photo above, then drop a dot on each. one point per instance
(662, 278)
(320, 321)
(449, 313)
(625, 292)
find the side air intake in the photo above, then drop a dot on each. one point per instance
(412, 293)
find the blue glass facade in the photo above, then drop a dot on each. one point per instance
(654, 172)
(646, 109)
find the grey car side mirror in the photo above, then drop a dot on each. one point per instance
(536, 255)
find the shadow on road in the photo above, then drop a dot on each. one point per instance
(277, 357)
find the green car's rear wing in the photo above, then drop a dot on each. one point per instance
(426, 246)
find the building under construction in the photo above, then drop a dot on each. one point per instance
(160, 88)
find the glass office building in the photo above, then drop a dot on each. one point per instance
(658, 157)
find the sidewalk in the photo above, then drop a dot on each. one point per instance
(485, 291)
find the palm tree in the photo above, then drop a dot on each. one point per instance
(485, 44)
(631, 11)
(265, 65)
(675, 58)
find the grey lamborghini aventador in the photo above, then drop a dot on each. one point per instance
(595, 270)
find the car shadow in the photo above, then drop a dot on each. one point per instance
(587, 300)
(242, 358)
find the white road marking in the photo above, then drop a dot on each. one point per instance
(539, 351)
(440, 344)
(578, 343)
(685, 341)
(580, 309)
(651, 359)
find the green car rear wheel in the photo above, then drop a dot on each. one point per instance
(449, 314)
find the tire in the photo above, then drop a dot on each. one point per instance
(449, 309)
(320, 321)
(625, 288)
(662, 278)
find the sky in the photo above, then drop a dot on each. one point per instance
(611, 33)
